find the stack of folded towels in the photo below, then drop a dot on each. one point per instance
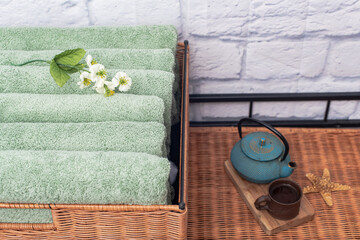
(74, 146)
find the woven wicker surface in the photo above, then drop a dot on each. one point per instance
(81, 224)
(216, 210)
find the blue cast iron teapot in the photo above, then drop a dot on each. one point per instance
(260, 157)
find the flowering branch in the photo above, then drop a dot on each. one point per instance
(36, 60)
(68, 62)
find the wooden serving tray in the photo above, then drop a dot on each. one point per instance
(251, 191)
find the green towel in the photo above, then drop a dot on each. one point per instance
(36, 79)
(17, 215)
(145, 137)
(66, 177)
(49, 38)
(150, 59)
(23, 107)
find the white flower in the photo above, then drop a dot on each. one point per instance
(97, 72)
(100, 90)
(123, 80)
(90, 60)
(99, 85)
(85, 80)
(113, 84)
(105, 87)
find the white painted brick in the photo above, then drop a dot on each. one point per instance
(219, 111)
(344, 59)
(197, 26)
(219, 86)
(43, 13)
(313, 58)
(158, 12)
(285, 59)
(215, 59)
(342, 109)
(277, 26)
(277, 18)
(334, 18)
(197, 17)
(328, 84)
(289, 110)
(262, 8)
(337, 24)
(247, 86)
(324, 6)
(194, 112)
(215, 18)
(356, 113)
(112, 12)
(227, 26)
(228, 8)
(233, 110)
(273, 59)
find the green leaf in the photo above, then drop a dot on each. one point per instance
(108, 92)
(59, 75)
(70, 57)
(71, 69)
(64, 63)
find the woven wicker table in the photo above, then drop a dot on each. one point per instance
(216, 210)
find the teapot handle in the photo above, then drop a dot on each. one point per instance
(276, 132)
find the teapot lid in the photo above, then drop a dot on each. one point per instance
(262, 146)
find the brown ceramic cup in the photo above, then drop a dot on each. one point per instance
(283, 200)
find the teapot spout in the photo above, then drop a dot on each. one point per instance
(288, 169)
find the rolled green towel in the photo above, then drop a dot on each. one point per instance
(66, 177)
(36, 79)
(148, 59)
(47, 38)
(147, 137)
(67, 108)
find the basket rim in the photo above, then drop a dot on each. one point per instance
(95, 207)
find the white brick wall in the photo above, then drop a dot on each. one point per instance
(237, 46)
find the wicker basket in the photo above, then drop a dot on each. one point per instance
(76, 221)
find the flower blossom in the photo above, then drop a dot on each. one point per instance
(85, 80)
(123, 81)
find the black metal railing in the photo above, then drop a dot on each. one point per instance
(272, 97)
